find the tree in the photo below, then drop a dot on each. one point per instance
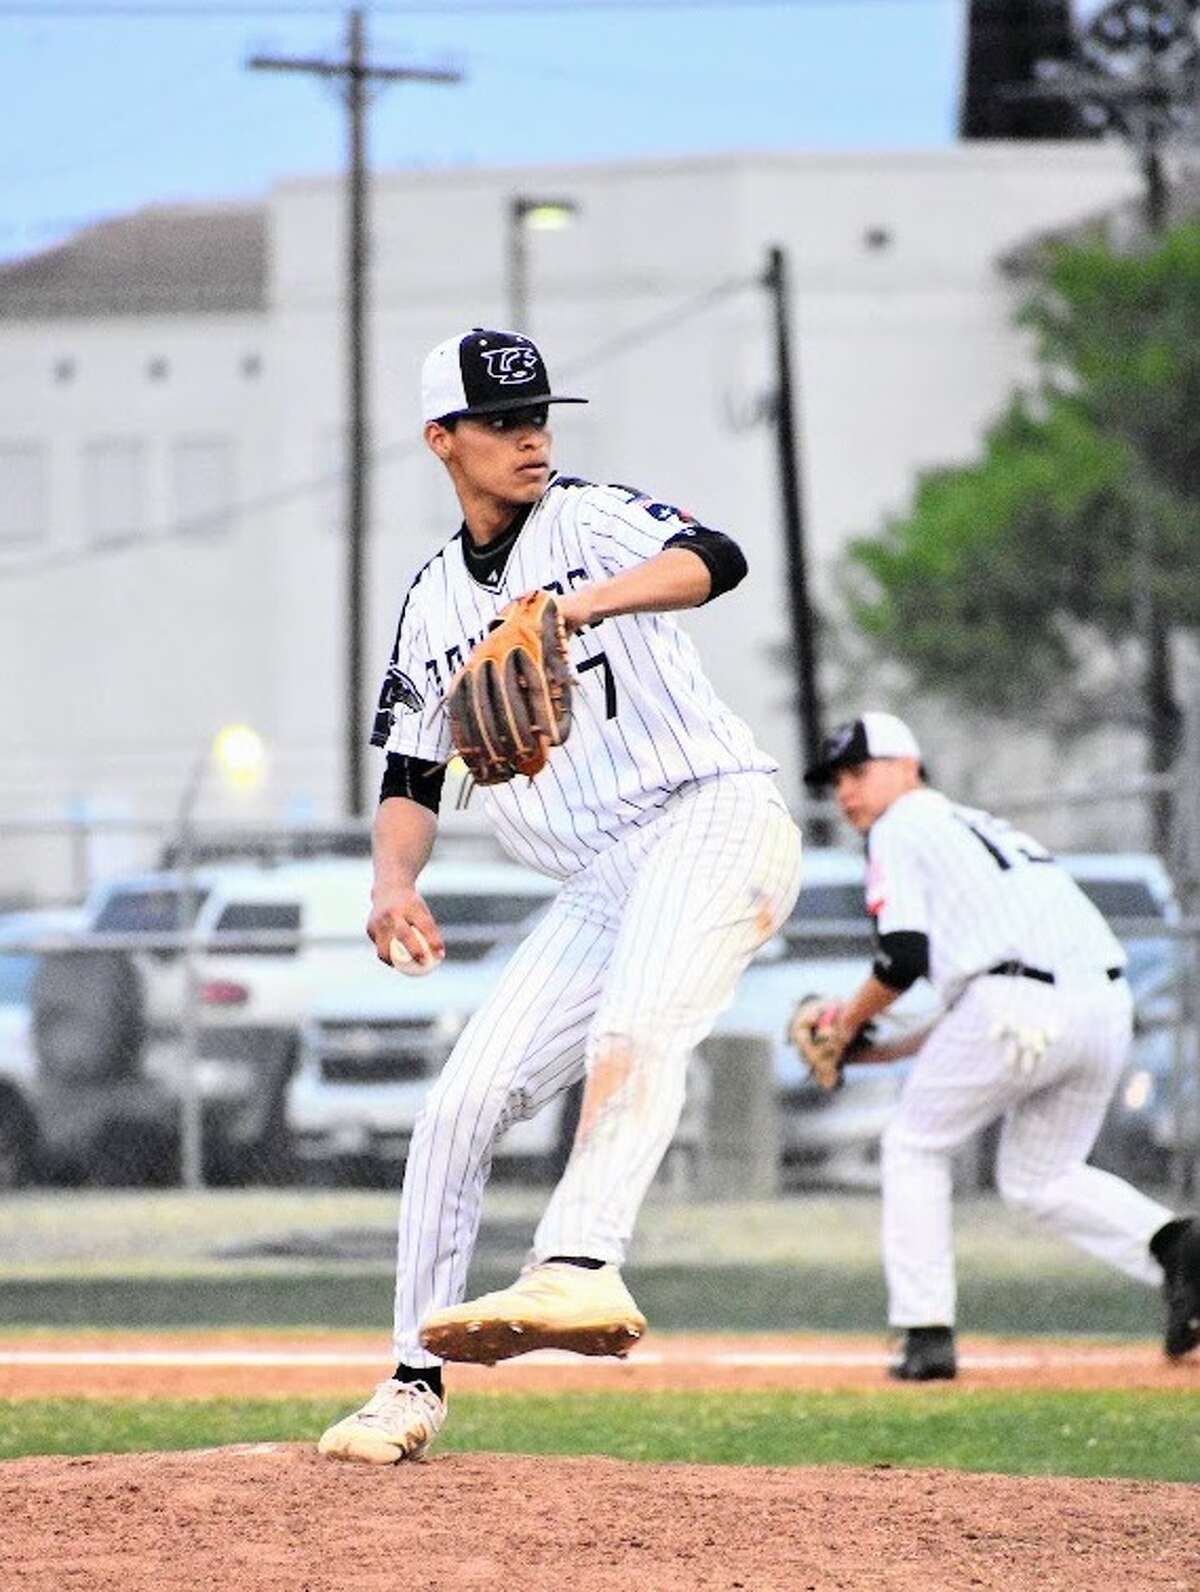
(1122, 333)
(1010, 578)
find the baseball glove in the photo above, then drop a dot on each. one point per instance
(511, 701)
(823, 1048)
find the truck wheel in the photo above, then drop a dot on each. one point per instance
(87, 1015)
(18, 1142)
(134, 1155)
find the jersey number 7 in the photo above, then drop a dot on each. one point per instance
(600, 661)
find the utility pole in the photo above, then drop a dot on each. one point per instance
(354, 76)
(804, 639)
(1136, 72)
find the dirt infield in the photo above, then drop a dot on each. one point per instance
(294, 1364)
(276, 1518)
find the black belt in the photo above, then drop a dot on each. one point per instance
(1040, 975)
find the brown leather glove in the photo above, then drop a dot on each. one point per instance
(511, 701)
(823, 1045)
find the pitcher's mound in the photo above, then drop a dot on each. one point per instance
(274, 1517)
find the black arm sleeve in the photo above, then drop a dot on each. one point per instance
(415, 778)
(901, 958)
(720, 554)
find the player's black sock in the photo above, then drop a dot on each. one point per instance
(431, 1375)
(1162, 1245)
(575, 1260)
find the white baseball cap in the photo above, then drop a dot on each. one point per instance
(484, 372)
(859, 740)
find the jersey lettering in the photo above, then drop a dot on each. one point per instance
(1007, 847)
(649, 722)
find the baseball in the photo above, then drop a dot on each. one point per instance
(404, 962)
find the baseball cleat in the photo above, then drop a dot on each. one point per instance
(398, 1421)
(552, 1306)
(1181, 1289)
(928, 1356)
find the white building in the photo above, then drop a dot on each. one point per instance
(172, 402)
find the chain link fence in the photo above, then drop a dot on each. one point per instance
(218, 1019)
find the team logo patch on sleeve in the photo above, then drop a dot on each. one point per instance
(400, 692)
(668, 511)
(657, 511)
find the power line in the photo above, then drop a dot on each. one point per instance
(656, 325)
(184, 531)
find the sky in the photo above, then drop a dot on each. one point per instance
(111, 106)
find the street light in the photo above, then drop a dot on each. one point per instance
(527, 214)
(239, 755)
(238, 752)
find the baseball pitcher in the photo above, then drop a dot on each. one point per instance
(538, 644)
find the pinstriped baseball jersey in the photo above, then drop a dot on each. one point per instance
(646, 719)
(981, 891)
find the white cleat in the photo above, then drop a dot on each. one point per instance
(398, 1421)
(552, 1306)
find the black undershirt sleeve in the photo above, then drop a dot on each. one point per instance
(901, 958)
(415, 778)
(721, 555)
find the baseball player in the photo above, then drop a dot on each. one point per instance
(1034, 1028)
(676, 853)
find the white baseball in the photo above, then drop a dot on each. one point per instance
(404, 961)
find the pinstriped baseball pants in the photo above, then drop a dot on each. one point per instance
(967, 1074)
(620, 981)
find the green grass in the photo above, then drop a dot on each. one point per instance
(749, 1298)
(1152, 1436)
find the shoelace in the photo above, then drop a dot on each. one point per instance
(381, 1406)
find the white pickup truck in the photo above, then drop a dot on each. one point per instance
(271, 940)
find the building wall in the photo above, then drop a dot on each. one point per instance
(116, 667)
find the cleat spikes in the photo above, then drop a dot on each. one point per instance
(551, 1306)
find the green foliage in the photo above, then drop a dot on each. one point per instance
(1019, 1433)
(1006, 572)
(1123, 332)
(972, 588)
(1154, 1436)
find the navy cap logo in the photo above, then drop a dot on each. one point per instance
(511, 366)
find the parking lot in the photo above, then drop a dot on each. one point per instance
(227, 1024)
